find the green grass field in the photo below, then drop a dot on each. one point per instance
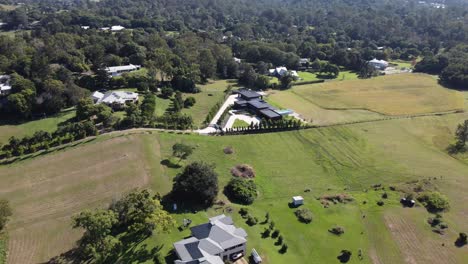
(240, 123)
(26, 129)
(345, 159)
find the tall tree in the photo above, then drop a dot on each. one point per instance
(207, 64)
(197, 183)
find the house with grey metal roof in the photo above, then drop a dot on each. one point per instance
(252, 101)
(212, 243)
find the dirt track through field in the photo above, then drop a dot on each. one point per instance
(46, 191)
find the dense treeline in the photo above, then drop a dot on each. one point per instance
(55, 62)
(451, 65)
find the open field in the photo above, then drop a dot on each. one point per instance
(47, 190)
(315, 114)
(401, 94)
(26, 129)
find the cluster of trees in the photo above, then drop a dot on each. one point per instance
(139, 115)
(106, 231)
(182, 45)
(42, 140)
(451, 65)
(45, 97)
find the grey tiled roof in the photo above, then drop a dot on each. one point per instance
(209, 240)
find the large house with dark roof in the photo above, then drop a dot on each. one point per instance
(253, 102)
(212, 243)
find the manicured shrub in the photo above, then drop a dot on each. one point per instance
(272, 225)
(380, 203)
(304, 215)
(280, 240)
(189, 102)
(434, 201)
(244, 212)
(275, 233)
(461, 240)
(228, 150)
(337, 230)
(345, 256)
(384, 195)
(284, 248)
(241, 191)
(251, 221)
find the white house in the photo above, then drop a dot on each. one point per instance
(304, 61)
(117, 28)
(115, 98)
(118, 70)
(212, 243)
(278, 71)
(378, 64)
(85, 27)
(297, 200)
(237, 60)
(113, 28)
(96, 96)
(5, 87)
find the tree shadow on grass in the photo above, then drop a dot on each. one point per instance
(13, 121)
(141, 254)
(170, 257)
(459, 243)
(168, 163)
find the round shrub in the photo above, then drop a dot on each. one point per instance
(189, 102)
(241, 191)
(337, 230)
(251, 221)
(304, 215)
(380, 203)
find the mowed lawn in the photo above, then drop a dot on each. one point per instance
(210, 95)
(399, 94)
(47, 190)
(27, 129)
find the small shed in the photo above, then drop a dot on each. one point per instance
(297, 200)
(255, 256)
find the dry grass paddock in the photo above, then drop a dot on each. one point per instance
(46, 191)
(354, 100)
